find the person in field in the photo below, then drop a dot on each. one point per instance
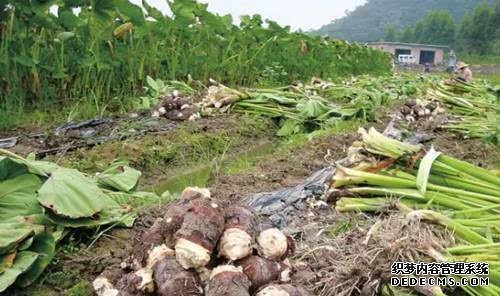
(464, 72)
(452, 63)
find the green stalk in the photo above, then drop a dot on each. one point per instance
(475, 171)
(478, 248)
(473, 213)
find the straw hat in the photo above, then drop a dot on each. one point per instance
(462, 65)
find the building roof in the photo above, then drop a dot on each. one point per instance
(408, 44)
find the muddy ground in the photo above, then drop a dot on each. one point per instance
(77, 264)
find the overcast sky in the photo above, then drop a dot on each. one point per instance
(300, 14)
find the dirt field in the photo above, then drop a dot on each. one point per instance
(78, 263)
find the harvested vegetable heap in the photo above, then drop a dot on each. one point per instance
(303, 108)
(199, 248)
(475, 107)
(41, 202)
(428, 186)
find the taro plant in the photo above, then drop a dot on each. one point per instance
(154, 91)
(56, 56)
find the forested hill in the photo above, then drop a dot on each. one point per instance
(370, 21)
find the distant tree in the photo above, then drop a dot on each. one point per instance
(391, 34)
(437, 28)
(496, 20)
(477, 33)
(419, 31)
(368, 22)
(495, 24)
(408, 35)
(440, 28)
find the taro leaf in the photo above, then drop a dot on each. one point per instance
(282, 100)
(18, 196)
(63, 36)
(10, 169)
(113, 212)
(6, 261)
(42, 6)
(68, 19)
(44, 245)
(73, 3)
(25, 245)
(425, 169)
(41, 168)
(184, 10)
(26, 61)
(119, 177)
(71, 194)
(59, 233)
(23, 261)
(312, 109)
(103, 9)
(135, 199)
(291, 127)
(115, 215)
(37, 167)
(13, 232)
(133, 12)
(152, 11)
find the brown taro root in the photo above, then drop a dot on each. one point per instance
(201, 228)
(164, 229)
(136, 283)
(171, 279)
(239, 233)
(227, 280)
(104, 284)
(174, 217)
(148, 240)
(191, 193)
(260, 271)
(282, 290)
(275, 245)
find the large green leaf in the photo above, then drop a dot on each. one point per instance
(10, 168)
(13, 232)
(115, 215)
(37, 167)
(152, 11)
(44, 245)
(42, 6)
(71, 194)
(7, 260)
(312, 108)
(291, 127)
(25, 245)
(22, 262)
(18, 196)
(136, 199)
(117, 211)
(103, 10)
(131, 11)
(119, 177)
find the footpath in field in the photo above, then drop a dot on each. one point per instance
(293, 112)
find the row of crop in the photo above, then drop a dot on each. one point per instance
(97, 50)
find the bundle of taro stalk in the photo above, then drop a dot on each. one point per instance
(475, 107)
(200, 248)
(430, 186)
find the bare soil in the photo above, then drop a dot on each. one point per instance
(284, 168)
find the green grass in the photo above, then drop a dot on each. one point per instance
(480, 60)
(190, 144)
(492, 78)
